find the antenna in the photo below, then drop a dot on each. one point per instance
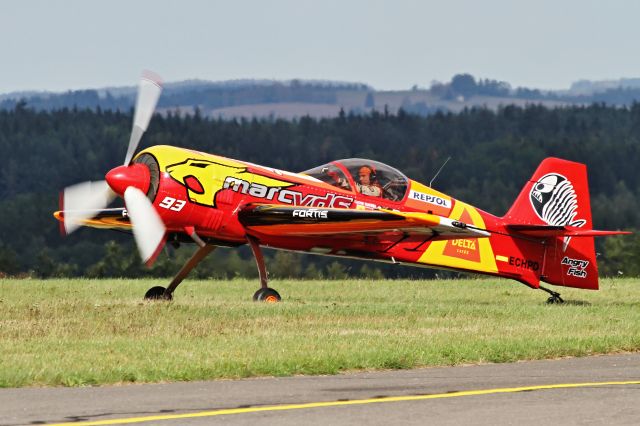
(439, 170)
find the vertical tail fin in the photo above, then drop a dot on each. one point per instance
(557, 195)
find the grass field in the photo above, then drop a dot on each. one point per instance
(80, 332)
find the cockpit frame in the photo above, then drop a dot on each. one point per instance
(343, 174)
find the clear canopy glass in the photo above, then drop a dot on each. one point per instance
(367, 177)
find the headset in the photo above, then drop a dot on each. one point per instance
(372, 172)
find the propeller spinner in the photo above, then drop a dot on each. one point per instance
(131, 181)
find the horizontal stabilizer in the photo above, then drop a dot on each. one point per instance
(544, 231)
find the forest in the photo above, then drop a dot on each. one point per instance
(492, 153)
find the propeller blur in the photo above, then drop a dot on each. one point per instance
(83, 201)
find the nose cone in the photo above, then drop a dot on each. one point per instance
(122, 177)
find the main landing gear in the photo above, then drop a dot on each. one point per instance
(554, 298)
(264, 294)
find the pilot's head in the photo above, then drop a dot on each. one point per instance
(365, 175)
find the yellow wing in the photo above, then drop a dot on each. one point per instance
(104, 219)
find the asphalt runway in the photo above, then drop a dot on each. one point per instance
(593, 390)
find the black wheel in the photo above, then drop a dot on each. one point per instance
(156, 293)
(554, 299)
(268, 295)
(257, 294)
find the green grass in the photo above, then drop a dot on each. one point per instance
(80, 332)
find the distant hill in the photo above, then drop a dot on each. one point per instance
(587, 87)
(208, 97)
(317, 98)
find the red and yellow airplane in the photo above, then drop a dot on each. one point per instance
(348, 208)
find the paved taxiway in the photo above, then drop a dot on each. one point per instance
(592, 390)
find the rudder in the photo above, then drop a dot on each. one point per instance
(557, 195)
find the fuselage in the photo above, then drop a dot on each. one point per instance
(205, 191)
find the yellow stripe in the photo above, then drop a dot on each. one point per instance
(341, 403)
(502, 258)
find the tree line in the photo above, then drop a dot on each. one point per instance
(467, 86)
(492, 153)
(203, 95)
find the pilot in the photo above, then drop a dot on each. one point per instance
(366, 184)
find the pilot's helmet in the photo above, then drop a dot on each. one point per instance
(369, 171)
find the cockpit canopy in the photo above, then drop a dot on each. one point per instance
(367, 177)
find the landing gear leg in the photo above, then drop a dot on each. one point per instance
(161, 293)
(264, 294)
(554, 298)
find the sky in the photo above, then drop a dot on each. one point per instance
(546, 44)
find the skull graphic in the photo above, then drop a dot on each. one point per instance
(555, 201)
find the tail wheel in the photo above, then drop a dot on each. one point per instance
(267, 295)
(156, 293)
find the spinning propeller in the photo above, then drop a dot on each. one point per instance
(130, 181)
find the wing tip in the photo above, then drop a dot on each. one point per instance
(59, 215)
